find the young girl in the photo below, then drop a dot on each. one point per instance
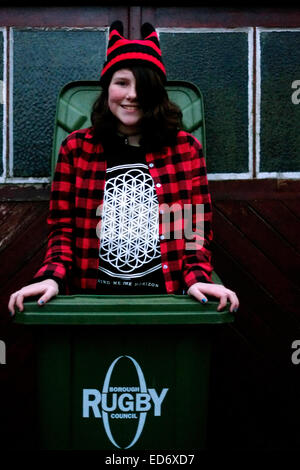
(120, 190)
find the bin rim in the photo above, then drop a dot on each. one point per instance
(93, 309)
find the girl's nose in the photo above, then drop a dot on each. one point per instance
(131, 92)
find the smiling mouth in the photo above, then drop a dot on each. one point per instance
(130, 107)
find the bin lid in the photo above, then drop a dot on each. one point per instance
(76, 99)
(123, 310)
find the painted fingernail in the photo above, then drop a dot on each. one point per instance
(41, 302)
(235, 310)
(203, 301)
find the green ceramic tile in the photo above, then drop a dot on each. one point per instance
(280, 117)
(43, 62)
(1, 98)
(217, 62)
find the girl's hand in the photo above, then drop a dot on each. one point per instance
(47, 289)
(199, 290)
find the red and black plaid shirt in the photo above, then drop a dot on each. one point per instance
(179, 174)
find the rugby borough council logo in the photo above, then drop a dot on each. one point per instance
(126, 403)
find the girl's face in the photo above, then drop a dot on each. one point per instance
(122, 101)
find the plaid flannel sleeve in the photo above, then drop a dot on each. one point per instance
(197, 265)
(59, 253)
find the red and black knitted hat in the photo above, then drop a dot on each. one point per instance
(122, 53)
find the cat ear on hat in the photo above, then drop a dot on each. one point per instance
(118, 26)
(146, 30)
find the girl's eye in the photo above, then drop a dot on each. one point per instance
(121, 83)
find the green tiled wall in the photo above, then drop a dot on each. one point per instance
(280, 117)
(44, 61)
(1, 104)
(217, 62)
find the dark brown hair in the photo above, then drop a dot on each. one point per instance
(161, 120)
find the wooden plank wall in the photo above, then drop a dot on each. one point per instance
(254, 385)
(256, 252)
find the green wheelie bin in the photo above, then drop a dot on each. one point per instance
(122, 372)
